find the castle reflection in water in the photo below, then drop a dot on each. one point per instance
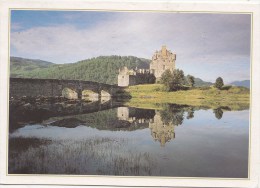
(160, 130)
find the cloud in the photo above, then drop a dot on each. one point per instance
(196, 38)
(16, 26)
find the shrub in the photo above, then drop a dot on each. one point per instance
(226, 87)
(204, 88)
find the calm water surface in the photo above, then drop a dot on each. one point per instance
(178, 141)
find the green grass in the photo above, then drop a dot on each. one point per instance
(151, 96)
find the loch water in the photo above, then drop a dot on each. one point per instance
(175, 141)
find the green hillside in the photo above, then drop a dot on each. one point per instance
(102, 69)
(20, 66)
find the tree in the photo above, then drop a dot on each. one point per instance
(178, 79)
(219, 83)
(167, 79)
(191, 80)
(172, 81)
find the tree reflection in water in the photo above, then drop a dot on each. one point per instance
(162, 122)
(218, 113)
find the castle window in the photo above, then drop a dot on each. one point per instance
(163, 67)
(122, 76)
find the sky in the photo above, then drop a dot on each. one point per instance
(207, 45)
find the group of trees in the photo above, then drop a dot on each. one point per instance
(172, 80)
(176, 80)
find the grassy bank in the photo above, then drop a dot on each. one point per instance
(151, 96)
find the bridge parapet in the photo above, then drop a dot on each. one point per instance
(20, 87)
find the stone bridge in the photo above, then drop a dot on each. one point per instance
(20, 87)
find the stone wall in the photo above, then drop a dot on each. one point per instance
(34, 87)
(126, 80)
(145, 78)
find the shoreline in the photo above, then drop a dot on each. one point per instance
(151, 96)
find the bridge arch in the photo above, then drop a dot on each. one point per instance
(69, 93)
(90, 95)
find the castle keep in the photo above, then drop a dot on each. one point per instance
(162, 60)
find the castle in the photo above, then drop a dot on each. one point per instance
(161, 61)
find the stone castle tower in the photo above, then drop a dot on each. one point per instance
(161, 61)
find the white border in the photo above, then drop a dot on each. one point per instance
(228, 6)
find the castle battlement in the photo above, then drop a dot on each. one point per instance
(126, 71)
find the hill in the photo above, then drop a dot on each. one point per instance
(199, 82)
(102, 69)
(244, 83)
(19, 66)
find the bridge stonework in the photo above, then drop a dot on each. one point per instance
(20, 87)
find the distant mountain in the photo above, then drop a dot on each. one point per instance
(199, 82)
(244, 83)
(19, 65)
